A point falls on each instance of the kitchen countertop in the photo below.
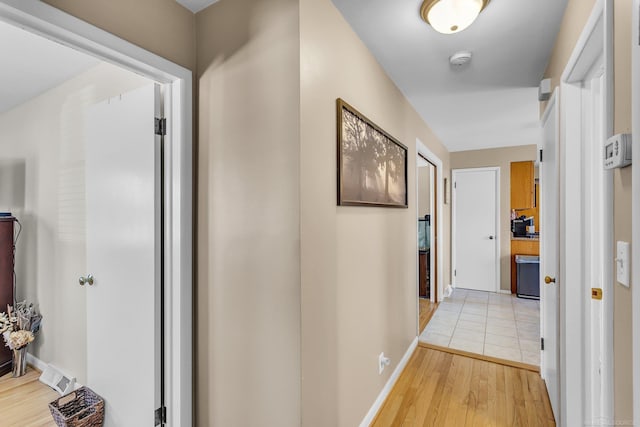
(526, 239)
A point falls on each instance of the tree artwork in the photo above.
(373, 166)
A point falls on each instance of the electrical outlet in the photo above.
(383, 362)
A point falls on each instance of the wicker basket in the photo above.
(80, 408)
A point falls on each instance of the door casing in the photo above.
(595, 41)
(431, 157)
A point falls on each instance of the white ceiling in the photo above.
(36, 65)
(492, 102)
(196, 6)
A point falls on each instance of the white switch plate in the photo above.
(623, 263)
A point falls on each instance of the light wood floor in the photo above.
(24, 401)
(427, 310)
(443, 389)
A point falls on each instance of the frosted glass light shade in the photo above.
(451, 16)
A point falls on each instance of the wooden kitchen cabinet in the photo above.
(521, 247)
(522, 185)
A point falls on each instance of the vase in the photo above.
(19, 362)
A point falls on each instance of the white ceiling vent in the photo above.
(460, 59)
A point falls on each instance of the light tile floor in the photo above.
(497, 325)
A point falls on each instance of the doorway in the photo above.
(426, 157)
(171, 200)
(427, 255)
(475, 225)
(586, 350)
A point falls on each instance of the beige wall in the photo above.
(622, 336)
(425, 178)
(575, 18)
(359, 295)
(163, 27)
(45, 136)
(248, 291)
(502, 158)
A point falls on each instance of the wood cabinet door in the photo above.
(6, 284)
(522, 185)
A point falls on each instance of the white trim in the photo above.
(596, 40)
(422, 150)
(377, 405)
(584, 54)
(504, 291)
(35, 362)
(635, 188)
(454, 172)
(40, 18)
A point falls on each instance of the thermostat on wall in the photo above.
(617, 151)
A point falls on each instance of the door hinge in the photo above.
(541, 343)
(455, 272)
(161, 126)
(455, 185)
(540, 156)
(161, 416)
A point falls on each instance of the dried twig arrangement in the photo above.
(19, 325)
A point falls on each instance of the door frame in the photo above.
(454, 173)
(431, 157)
(595, 41)
(177, 82)
(433, 255)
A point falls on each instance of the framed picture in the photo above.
(372, 165)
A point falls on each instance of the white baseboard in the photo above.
(502, 291)
(36, 363)
(377, 405)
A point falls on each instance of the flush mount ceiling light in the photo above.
(451, 16)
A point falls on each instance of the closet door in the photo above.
(123, 256)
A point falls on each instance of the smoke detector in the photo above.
(459, 59)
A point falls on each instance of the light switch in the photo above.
(623, 263)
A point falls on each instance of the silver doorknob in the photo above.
(86, 280)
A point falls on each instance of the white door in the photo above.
(549, 297)
(475, 226)
(122, 187)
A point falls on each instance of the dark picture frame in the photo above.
(372, 165)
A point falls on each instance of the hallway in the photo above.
(442, 389)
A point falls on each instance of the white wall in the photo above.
(42, 165)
